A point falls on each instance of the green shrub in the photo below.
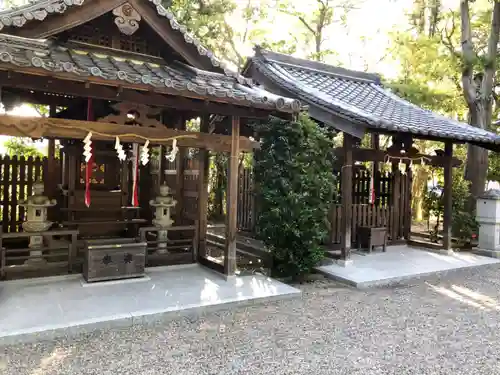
(463, 225)
(296, 187)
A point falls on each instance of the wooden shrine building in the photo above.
(122, 79)
(356, 103)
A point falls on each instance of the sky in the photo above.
(22, 110)
(373, 21)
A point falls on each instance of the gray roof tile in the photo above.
(38, 10)
(361, 98)
(49, 56)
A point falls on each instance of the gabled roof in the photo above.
(360, 98)
(18, 16)
(39, 10)
(45, 57)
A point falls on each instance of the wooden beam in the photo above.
(447, 196)
(346, 184)
(232, 201)
(36, 127)
(99, 88)
(365, 154)
(203, 165)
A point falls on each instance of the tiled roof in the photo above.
(40, 9)
(48, 56)
(360, 97)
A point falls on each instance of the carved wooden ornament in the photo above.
(133, 114)
(127, 19)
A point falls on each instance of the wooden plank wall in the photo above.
(190, 186)
(17, 175)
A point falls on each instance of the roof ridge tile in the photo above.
(369, 104)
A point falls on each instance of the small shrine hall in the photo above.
(136, 107)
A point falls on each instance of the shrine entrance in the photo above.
(111, 210)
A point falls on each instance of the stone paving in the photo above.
(447, 325)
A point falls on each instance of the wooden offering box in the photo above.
(369, 238)
(113, 259)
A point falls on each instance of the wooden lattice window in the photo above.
(97, 31)
(103, 31)
(144, 41)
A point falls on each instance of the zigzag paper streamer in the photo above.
(87, 147)
(145, 153)
(119, 150)
(171, 156)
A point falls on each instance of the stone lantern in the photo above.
(488, 218)
(162, 204)
(36, 219)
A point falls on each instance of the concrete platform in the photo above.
(45, 308)
(398, 264)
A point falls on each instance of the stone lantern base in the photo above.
(36, 254)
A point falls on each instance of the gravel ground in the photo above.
(439, 326)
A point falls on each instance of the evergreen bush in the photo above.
(294, 172)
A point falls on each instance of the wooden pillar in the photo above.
(407, 203)
(232, 200)
(346, 193)
(179, 176)
(203, 169)
(447, 195)
(51, 178)
(375, 145)
(395, 201)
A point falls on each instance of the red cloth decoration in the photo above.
(90, 164)
(135, 175)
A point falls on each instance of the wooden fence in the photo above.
(246, 201)
(382, 184)
(17, 175)
(394, 214)
(362, 215)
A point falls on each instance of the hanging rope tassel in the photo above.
(90, 160)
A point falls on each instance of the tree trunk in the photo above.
(476, 168)
(476, 171)
(478, 90)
